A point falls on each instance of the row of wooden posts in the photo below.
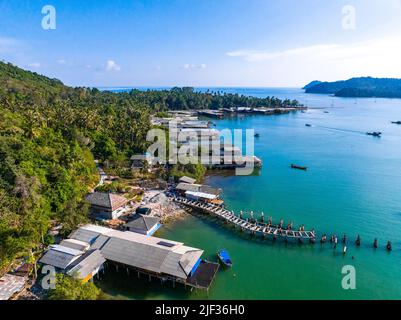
(333, 238)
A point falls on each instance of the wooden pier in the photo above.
(254, 227)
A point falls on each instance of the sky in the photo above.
(212, 43)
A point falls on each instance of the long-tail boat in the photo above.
(294, 166)
(224, 257)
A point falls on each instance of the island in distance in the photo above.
(364, 87)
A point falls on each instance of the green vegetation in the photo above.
(188, 99)
(68, 288)
(358, 87)
(196, 171)
(50, 135)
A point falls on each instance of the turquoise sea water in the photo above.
(353, 186)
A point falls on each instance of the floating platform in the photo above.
(203, 276)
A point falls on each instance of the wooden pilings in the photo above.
(254, 227)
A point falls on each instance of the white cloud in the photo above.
(111, 65)
(61, 61)
(372, 50)
(331, 61)
(35, 65)
(256, 56)
(188, 66)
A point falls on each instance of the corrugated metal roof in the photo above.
(141, 222)
(106, 200)
(189, 259)
(152, 258)
(135, 254)
(144, 252)
(140, 238)
(99, 242)
(75, 244)
(198, 188)
(87, 264)
(186, 179)
(57, 259)
(11, 284)
(84, 235)
(201, 195)
(188, 187)
(171, 265)
(60, 248)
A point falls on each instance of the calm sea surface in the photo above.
(353, 186)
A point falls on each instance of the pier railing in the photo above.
(254, 227)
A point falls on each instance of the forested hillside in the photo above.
(50, 135)
(358, 87)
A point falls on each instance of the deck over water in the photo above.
(204, 275)
(253, 227)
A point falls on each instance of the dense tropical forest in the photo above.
(365, 87)
(50, 135)
(188, 99)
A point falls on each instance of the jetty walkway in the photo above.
(253, 226)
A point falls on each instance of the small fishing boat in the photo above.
(224, 257)
(308, 125)
(396, 122)
(257, 135)
(294, 166)
(374, 134)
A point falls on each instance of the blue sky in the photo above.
(257, 43)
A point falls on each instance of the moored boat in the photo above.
(374, 133)
(224, 257)
(294, 166)
(396, 122)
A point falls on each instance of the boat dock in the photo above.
(254, 227)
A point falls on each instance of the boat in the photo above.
(374, 134)
(294, 166)
(224, 257)
(308, 125)
(257, 135)
(396, 122)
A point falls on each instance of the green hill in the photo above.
(359, 87)
(49, 135)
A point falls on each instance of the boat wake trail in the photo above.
(341, 129)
